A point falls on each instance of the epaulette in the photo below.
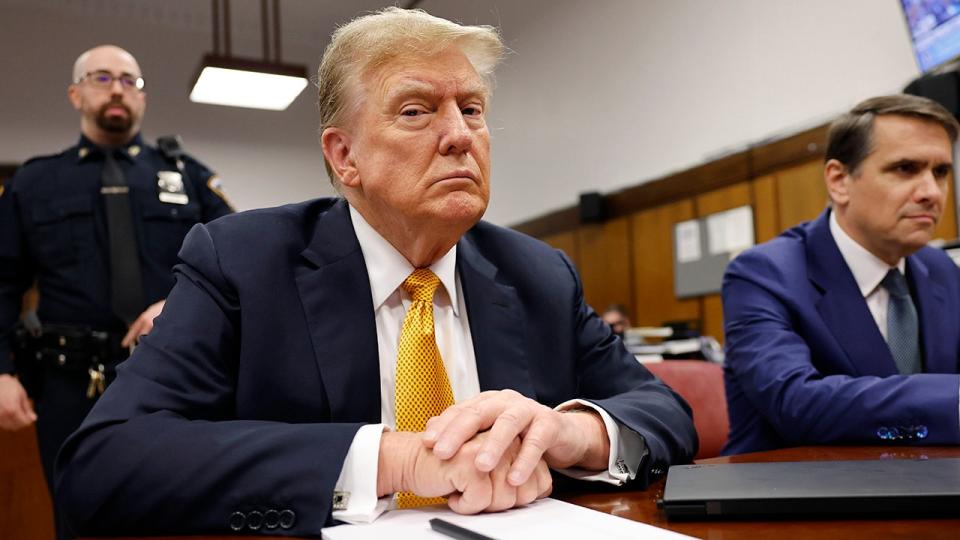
(43, 158)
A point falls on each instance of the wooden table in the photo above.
(641, 505)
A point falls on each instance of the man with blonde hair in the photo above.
(386, 349)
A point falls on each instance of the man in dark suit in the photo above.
(846, 329)
(280, 386)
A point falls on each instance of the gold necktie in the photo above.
(423, 390)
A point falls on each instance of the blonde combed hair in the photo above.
(369, 42)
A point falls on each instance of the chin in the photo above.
(463, 207)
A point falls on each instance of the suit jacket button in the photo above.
(271, 519)
(287, 519)
(237, 520)
(884, 433)
(254, 520)
(922, 432)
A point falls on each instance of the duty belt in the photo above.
(75, 348)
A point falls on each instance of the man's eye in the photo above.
(943, 171)
(102, 78)
(907, 168)
(471, 111)
(411, 112)
(128, 81)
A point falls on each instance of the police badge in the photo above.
(171, 189)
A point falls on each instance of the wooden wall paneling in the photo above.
(711, 320)
(947, 228)
(604, 253)
(801, 193)
(722, 199)
(766, 221)
(654, 301)
(25, 509)
(808, 145)
(566, 242)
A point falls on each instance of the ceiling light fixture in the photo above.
(242, 82)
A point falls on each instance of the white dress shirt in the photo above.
(868, 271)
(387, 269)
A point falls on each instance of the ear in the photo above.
(73, 94)
(337, 148)
(837, 179)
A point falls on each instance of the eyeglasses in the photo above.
(104, 79)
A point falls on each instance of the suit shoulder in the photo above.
(937, 260)
(290, 223)
(782, 256)
(488, 235)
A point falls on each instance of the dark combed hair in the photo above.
(850, 138)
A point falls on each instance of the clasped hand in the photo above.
(492, 452)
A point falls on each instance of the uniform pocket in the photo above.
(164, 227)
(58, 227)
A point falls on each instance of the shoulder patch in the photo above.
(214, 185)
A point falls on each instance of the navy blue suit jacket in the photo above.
(248, 392)
(806, 363)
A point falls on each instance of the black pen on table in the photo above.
(456, 531)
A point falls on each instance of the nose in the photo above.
(456, 136)
(116, 87)
(929, 189)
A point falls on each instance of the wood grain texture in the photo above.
(605, 263)
(642, 506)
(801, 193)
(718, 200)
(654, 301)
(25, 508)
(766, 220)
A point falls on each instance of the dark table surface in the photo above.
(641, 505)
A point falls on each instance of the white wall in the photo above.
(596, 94)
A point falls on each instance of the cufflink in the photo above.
(340, 500)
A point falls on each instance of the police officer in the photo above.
(97, 227)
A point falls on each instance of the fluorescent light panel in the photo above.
(236, 88)
(239, 83)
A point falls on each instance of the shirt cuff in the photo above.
(627, 449)
(355, 495)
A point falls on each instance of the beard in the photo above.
(114, 124)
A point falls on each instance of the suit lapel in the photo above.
(842, 307)
(931, 307)
(335, 292)
(496, 323)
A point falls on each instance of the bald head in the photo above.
(107, 58)
(107, 90)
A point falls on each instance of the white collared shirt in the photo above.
(868, 271)
(387, 269)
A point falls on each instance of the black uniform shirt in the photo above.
(53, 229)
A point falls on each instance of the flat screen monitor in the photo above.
(934, 29)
